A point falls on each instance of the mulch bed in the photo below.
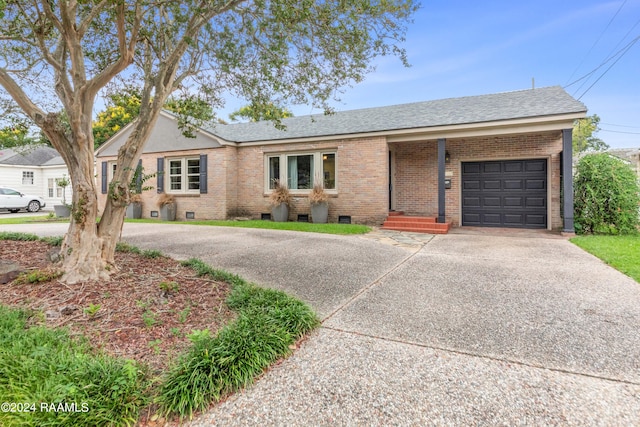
(146, 309)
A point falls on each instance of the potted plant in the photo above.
(280, 199)
(319, 201)
(63, 210)
(134, 208)
(167, 205)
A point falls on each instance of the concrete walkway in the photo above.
(463, 329)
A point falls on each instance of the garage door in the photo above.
(510, 193)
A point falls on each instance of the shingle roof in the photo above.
(28, 156)
(548, 101)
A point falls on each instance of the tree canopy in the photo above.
(255, 113)
(59, 55)
(583, 135)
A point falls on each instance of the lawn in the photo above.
(620, 252)
(333, 228)
(271, 225)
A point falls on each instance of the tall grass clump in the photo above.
(268, 323)
(49, 369)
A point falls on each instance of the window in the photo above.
(184, 175)
(113, 167)
(301, 171)
(27, 178)
(50, 186)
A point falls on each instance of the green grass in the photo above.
(620, 252)
(31, 219)
(268, 323)
(342, 229)
(271, 225)
(41, 365)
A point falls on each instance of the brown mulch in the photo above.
(137, 318)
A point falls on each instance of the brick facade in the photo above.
(361, 179)
(415, 168)
(236, 176)
(236, 181)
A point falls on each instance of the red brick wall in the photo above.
(416, 168)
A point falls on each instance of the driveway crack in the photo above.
(484, 356)
(371, 285)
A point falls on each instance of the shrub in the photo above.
(166, 199)
(318, 195)
(280, 194)
(606, 195)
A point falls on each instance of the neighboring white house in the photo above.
(34, 170)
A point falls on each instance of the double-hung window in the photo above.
(183, 175)
(27, 178)
(300, 171)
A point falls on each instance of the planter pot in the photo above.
(134, 210)
(168, 212)
(62, 211)
(319, 213)
(280, 213)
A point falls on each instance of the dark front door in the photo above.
(509, 193)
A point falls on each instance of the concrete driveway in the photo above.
(469, 329)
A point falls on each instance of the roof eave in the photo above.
(499, 127)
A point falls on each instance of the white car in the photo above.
(13, 200)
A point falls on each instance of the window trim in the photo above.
(284, 166)
(184, 174)
(111, 170)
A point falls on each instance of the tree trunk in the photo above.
(81, 250)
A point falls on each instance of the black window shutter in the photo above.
(105, 169)
(139, 176)
(160, 175)
(203, 173)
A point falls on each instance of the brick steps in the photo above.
(416, 224)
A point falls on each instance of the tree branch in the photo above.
(21, 98)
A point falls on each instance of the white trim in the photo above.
(317, 167)
(184, 175)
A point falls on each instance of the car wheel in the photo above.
(34, 206)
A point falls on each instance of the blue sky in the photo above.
(461, 48)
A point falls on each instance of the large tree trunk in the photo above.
(81, 250)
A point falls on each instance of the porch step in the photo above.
(415, 224)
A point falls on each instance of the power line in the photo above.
(596, 42)
(625, 50)
(619, 131)
(597, 68)
(620, 126)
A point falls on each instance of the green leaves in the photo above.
(606, 195)
(583, 138)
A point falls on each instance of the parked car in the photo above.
(13, 200)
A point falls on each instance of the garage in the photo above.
(508, 193)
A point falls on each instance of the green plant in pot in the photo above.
(319, 201)
(280, 199)
(167, 205)
(63, 210)
(136, 187)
